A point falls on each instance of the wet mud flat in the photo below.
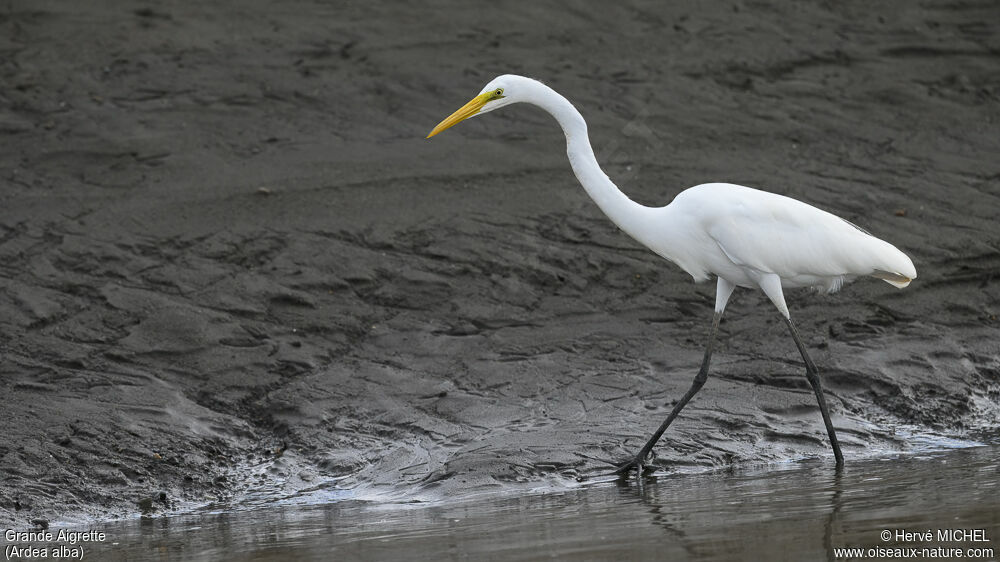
(230, 264)
(883, 507)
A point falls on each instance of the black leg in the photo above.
(699, 381)
(813, 375)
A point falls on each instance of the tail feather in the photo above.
(894, 279)
(891, 265)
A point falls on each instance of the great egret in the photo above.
(742, 236)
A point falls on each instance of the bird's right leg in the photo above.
(771, 285)
(812, 374)
(723, 291)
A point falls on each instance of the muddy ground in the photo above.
(231, 264)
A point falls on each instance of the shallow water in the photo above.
(793, 511)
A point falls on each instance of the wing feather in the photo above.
(771, 233)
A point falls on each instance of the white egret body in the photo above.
(742, 236)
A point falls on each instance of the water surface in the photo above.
(793, 511)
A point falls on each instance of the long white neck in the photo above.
(627, 214)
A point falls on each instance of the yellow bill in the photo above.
(466, 111)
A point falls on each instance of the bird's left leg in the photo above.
(722, 293)
(771, 285)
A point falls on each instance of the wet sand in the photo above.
(230, 263)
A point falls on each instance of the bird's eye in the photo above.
(498, 92)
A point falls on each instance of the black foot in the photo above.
(638, 463)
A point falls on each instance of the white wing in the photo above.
(771, 233)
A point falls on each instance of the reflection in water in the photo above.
(799, 511)
(837, 502)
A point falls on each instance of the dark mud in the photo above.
(231, 264)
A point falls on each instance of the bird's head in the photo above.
(501, 91)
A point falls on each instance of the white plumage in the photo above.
(743, 236)
(743, 232)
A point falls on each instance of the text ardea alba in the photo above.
(742, 236)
